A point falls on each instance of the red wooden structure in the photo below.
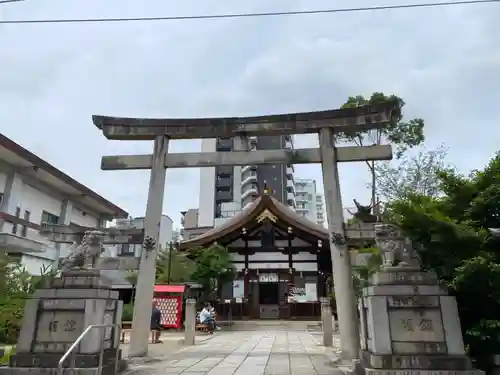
(169, 299)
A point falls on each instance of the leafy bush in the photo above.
(17, 285)
(11, 316)
(4, 360)
(128, 312)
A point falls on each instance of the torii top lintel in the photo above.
(356, 119)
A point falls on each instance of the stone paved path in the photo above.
(250, 353)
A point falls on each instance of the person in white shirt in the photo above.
(207, 318)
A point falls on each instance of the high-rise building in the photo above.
(165, 236)
(226, 190)
(310, 203)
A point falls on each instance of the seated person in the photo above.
(213, 313)
(206, 317)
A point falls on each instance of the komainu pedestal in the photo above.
(56, 316)
(409, 324)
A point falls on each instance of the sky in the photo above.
(444, 62)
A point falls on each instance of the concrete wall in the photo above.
(207, 188)
(3, 179)
(80, 217)
(35, 264)
(190, 233)
(190, 219)
(166, 230)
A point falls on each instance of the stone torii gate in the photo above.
(325, 123)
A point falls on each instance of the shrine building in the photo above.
(282, 262)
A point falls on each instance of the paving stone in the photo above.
(249, 353)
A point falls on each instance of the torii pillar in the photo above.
(147, 268)
(341, 260)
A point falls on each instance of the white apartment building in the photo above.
(226, 190)
(166, 235)
(310, 203)
(32, 192)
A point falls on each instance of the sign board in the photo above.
(421, 325)
(268, 278)
(238, 289)
(307, 293)
(297, 291)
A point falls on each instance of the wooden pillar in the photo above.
(246, 306)
(320, 291)
(290, 256)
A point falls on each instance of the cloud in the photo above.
(444, 62)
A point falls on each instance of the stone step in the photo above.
(271, 325)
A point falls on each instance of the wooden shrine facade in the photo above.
(282, 261)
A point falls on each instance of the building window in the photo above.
(24, 231)
(49, 218)
(126, 249)
(18, 215)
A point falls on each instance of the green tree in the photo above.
(173, 266)
(212, 268)
(452, 231)
(416, 174)
(399, 133)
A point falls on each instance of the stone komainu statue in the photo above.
(394, 248)
(84, 254)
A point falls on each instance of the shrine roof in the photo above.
(252, 212)
(170, 288)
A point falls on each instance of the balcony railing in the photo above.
(248, 168)
(248, 177)
(248, 190)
